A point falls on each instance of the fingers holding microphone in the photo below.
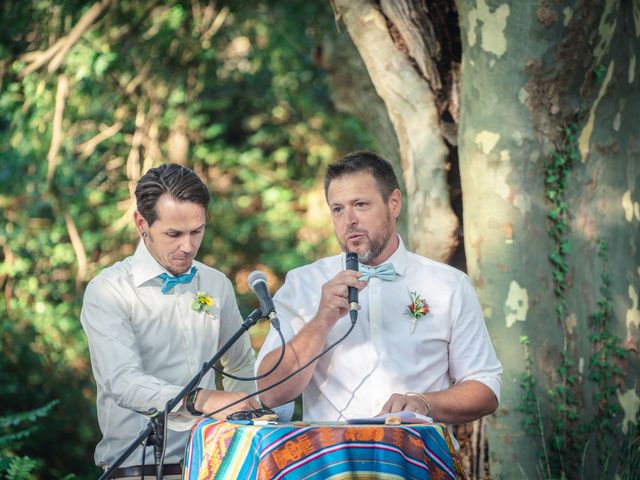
(338, 296)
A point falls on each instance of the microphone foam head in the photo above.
(255, 277)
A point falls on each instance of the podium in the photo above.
(219, 450)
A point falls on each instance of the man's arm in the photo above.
(115, 360)
(472, 362)
(461, 403)
(208, 401)
(308, 343)
(117, 365)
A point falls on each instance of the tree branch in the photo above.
(78, 248)
(56, 135)
(87, 148)
(56, 54)
(433, 226)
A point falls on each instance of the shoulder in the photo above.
(111, 288)
(211, 272)
(307, 279)
(213, 276)
(112, 275)
(439, 271)
(321, 269)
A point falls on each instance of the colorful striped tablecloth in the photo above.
(320, 451)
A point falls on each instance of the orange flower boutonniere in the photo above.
(418, 308)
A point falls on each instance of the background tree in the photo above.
(92, 94)
(537, 104)
(524, 111)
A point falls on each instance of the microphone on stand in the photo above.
(258, 284)
(352, 264)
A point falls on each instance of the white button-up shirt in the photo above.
(382, 355)
(146, 346)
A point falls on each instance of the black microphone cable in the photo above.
(159, 473)
(253, 315)
(295, 372)
(249, 379)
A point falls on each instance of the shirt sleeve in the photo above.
(471, 353)
(116, 363)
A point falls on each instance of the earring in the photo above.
(144, 234)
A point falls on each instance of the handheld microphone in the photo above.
(352, 264)
(258, 284)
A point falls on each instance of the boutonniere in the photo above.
(418, 308)
(202, 302)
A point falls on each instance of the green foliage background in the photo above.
(228, 88)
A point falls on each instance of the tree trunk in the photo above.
(411, 105)
(548, 155)
(353, 94)
(543, 115)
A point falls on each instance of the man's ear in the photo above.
(141, 224)
(395, 203)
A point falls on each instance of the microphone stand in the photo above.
(154, 430)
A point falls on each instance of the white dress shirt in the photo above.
(146, 346)
(381, 356)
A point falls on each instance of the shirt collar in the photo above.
(144, 266)
(397, 258)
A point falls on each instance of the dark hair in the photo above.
(364, 161)
(178, 181)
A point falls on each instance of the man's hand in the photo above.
(464, 402)
(399, 402)
(334, 302)
(212, 400)
(309, 342)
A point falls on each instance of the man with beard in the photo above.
(419, 344)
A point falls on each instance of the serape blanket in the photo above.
(320, 451)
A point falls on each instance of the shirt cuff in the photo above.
(492, 383)
(179, 419)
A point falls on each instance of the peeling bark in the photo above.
(530, 74)
(353, 94)
(531, 89)
(433, 226)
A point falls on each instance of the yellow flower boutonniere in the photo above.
(418, 308)
(202, 303)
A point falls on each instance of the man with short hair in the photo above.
(152, 321)
(419, 342)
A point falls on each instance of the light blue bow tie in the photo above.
(170, 282)
(383, 272)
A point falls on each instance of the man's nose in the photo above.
(350, 217)
(188, 244)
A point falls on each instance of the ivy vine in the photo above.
(563, 449)
(604, 364)
(564, 412)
